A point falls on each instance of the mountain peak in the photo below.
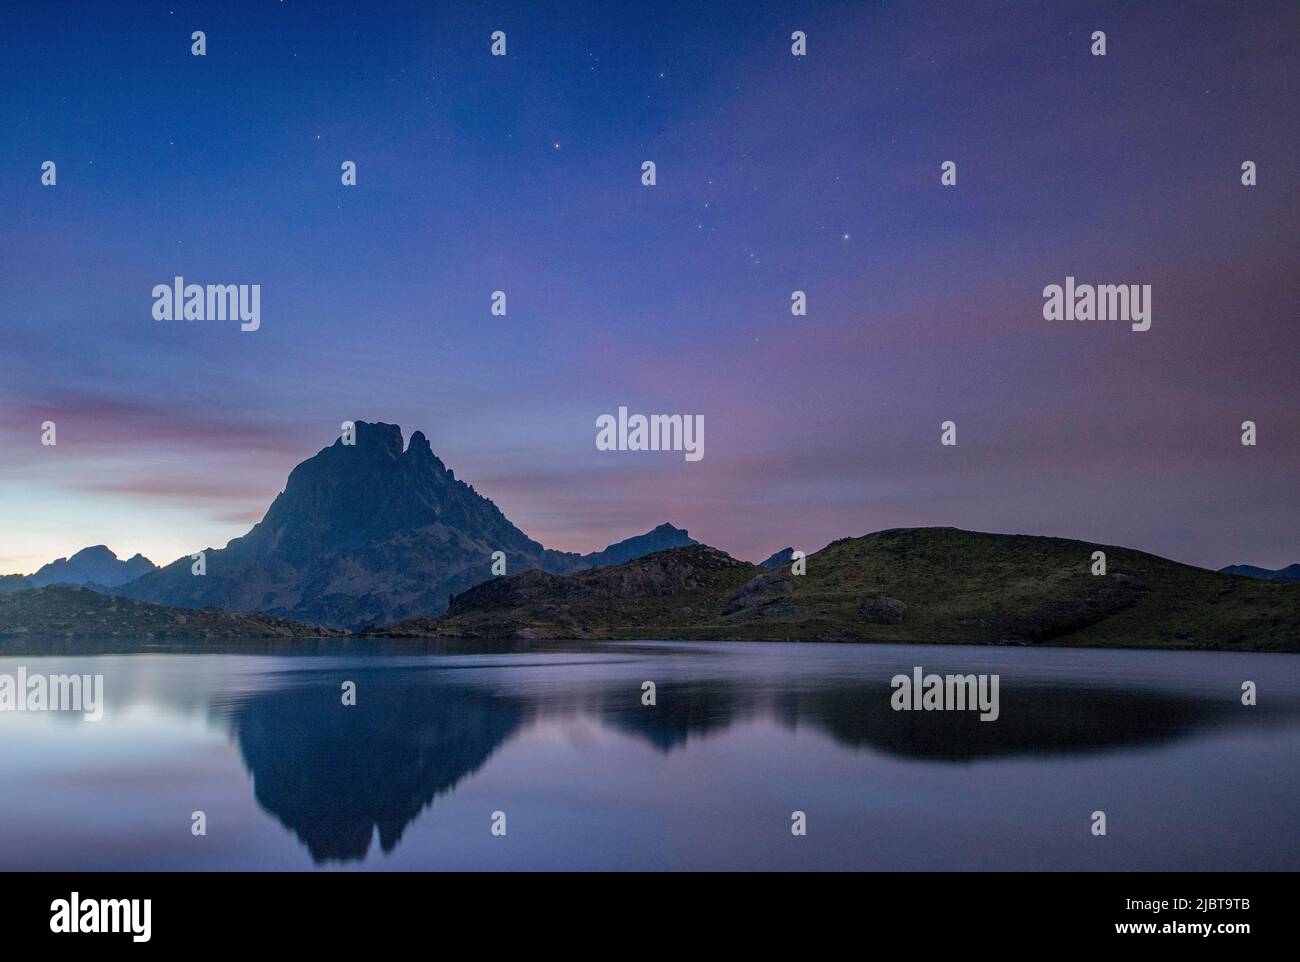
(419, 453)
(367, 533)
(361, 532)
(657, 539)
(419, 445)
(95, 565)
(667, 528)
(376, 437)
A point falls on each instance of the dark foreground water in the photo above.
(557, 738)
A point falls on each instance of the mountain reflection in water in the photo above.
(555, 735)
(335, 776)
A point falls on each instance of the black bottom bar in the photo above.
(330, 911)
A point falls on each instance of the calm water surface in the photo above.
(556, 737)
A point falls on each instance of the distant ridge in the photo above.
(96, 566)
(1289, 573)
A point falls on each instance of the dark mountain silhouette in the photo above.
(95, 566)
(1289, 573)
(367, 533)
(659, 539)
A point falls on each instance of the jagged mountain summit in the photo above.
(96, 566)
(368, 533)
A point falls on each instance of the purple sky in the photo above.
(775, 173)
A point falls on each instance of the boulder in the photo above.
(761, 590)
(882, 610)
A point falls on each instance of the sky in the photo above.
(775, 173)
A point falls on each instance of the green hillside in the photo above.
(922, 585)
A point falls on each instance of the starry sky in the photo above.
(775, 173)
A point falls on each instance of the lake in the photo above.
(556, 737)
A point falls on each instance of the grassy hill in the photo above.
(83, 614)
(937, 585)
